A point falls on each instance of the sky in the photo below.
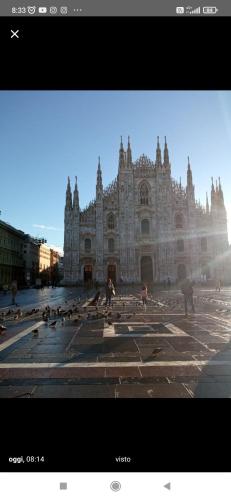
(47, 135)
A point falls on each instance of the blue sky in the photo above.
(46, 136)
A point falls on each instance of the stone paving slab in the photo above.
(126, 371)
(153, 391)
(16, 391)
(75, 391)
(61, 381)
(209, 390)
(169, 371)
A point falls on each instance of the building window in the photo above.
(180, 245)
(87, 245)
(145, 229)
(204, 244)
(111, 221)
(179, 221)
(111, 245)
(144, 194)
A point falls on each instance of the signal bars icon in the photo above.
(195, 11)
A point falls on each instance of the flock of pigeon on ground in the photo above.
(95, 310)
(58, 316)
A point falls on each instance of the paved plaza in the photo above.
(120, 352)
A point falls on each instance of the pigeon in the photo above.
(53, 323)
(156, 351)
(2, 328)
(109, 322)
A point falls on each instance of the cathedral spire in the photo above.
(76, 197)
(213, 195)
(166, 155)
(99, 183)
(129, 154)
(189, 175)
(207, 203)
(190, 186)
(212, 187)
(221, 192)
(68, 195)
(121, 154)
(158, 154)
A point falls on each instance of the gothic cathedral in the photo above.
(144, 227)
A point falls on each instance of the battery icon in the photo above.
(210, 10)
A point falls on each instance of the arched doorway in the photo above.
(111, 272)
(181, 272)
(205, 270)
(87, 275)
(146, 269)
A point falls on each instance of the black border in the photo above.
(116, 53)
(160, 435)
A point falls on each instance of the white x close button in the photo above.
(14, 34)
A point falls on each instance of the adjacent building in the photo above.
(145, 226)
(31, 259)
(11, 255)
(23, 258)
(44, 257)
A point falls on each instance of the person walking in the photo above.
(144, 296)
(187, 290)
(110, 291)
(218, 285)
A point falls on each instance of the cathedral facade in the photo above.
(144, 227)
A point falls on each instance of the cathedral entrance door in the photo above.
(111, 273)
(146, 269)
(181, 272)
(87, 274)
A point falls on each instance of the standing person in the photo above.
(144, 296)
(187, 290)
(110, 291)
(218, 285)
(169, 282)
(14, 290)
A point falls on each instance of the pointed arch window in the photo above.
(145, 228)
(87, 245)
(179, 221)
(204, 244)
(111, 245)
(111, 221)
(180, 245)
(144, 194)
